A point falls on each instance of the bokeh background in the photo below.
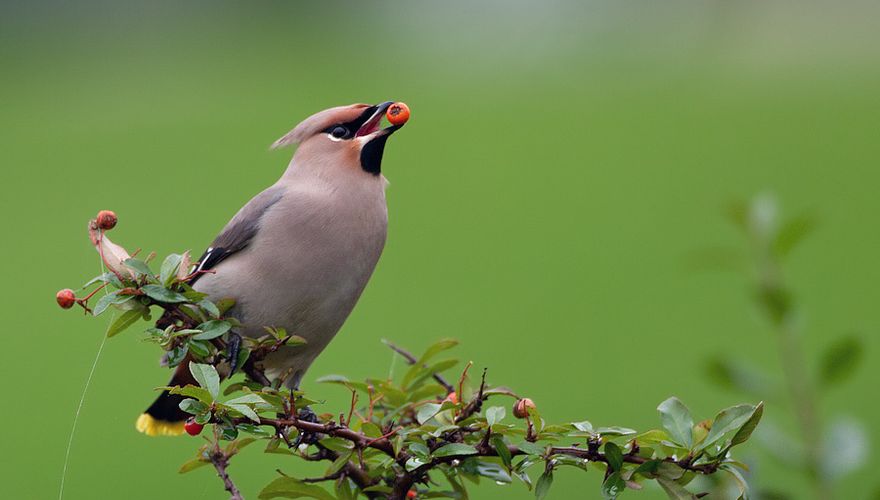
(564, 163)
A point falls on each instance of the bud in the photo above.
(66, 298)
(106, 220)
(452, 398)
(522, 406)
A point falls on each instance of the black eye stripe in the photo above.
(353, 126)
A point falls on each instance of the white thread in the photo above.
(82, 398)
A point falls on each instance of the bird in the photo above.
(299, 254)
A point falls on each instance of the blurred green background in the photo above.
(563, 164)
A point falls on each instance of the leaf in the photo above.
(494, 415)
(192, 391)
(137, 266)
(614, 455)
(426, 412)
(124, 321)
(108, 300)
(246, 411)
(543, 485)
(502, 449)
(288, 487)
(207, 377)
(727, 420)
(613, 485)
(161, 294)
(792, 232)
(212, 329)
(168, 271)
(677, 420)
(192, 465)
(437, 348)
(738, 479)
(674, 490)
(840, 360)
(738, 376)
(209, 307)
(744, 432)
(249, 399)
(454, 449)
(192, 406)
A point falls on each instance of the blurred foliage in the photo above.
(824, 452)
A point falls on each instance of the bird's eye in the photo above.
(339, 132)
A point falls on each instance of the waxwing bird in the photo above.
(298, 255)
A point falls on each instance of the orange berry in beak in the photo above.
(397, 113)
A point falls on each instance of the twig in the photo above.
(220, 461)
(412, 360)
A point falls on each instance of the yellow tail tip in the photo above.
(153, 427)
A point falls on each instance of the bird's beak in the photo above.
(371, 129)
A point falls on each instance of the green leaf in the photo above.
(192, 465)
(138, 266)
(502, 449)
(193, 407)
(209, 307)
(246, 411)
(212, 329)
(738, 479)
(840, 360)
(614, 455)
(727, 420)
(674, 490)
(125, 320)
(207, 377)
(108, 300)
(677, 420)
(437, 348)
(192, 391)
(288, 487)
(494, 415)
(337, 444)
(247, 399)
(168, 271)
(161, 294)
(613, 485)
(792, 232)
(427, 411)
(747, 428)
(454, 449)
(543, 485)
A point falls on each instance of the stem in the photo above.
(412, 360)
(220, 462)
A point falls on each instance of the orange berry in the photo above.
(106, 220)
(452, 397)
(192, 427)
(522, 406)
(397, 113)
(66, 298)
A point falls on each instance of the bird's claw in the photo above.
(305, 437)
(233, 349)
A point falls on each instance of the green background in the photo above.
(563, 165)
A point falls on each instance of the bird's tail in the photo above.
(164, 417)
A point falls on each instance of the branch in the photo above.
(412, 360)
(220, 461)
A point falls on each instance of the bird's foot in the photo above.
(305, 437)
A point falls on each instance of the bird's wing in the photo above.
(239, 232)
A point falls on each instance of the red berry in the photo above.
(106, 220)
(397, 113)
(411, 494)
(66, 298)
(522, 406)
(193, 428)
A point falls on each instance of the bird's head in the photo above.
(346, 137)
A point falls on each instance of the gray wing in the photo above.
(239, 232)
